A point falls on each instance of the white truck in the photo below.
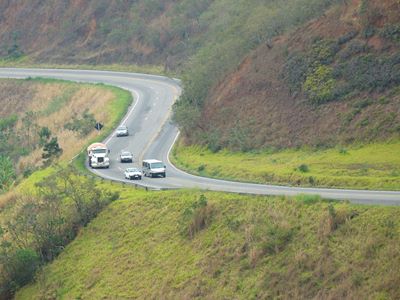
(98, 155)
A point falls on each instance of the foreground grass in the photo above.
(241, 247)
(373, 166)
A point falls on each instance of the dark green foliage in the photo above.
(7, 173)
(370, 72)
(51, 150)
(44, 135)
(303, 168)
(42, 227)
(347, 37)
(391, 32)
(361, 104)
(295, 71)
(19, 267)
(353, 48)
(83, 125)
(13, 50)
(8, 122)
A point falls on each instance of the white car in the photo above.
(126, 156)
(133, 173)
(122, 131)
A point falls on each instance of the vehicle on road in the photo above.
(98, 155)
(126, 156)
(133, 173)
(153, 168)
(122, 131)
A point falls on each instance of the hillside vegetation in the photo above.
(316, 106)
(190, 244)
(43, 125)
(334, 80)
(42, 120)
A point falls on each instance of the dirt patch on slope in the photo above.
(255, 105)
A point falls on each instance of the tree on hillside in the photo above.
(7, 173)
(51, 150)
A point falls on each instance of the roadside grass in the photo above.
(371, 166)
(247, 247)
(27, 62)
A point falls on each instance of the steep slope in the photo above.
(38, 104)
(141, 32)
(334, 80)
(188, 245)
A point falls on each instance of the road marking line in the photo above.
(126, 116)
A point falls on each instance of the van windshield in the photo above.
(157, 165)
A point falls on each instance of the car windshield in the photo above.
(99, 151)
(126, 153)
(157, 165)
(132, 170)
(122, 128)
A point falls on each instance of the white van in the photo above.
(153, 168)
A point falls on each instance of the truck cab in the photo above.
(98, 156)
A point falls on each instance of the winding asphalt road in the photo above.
(152, 135)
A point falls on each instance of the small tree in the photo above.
(7, 173)
(51, 150)
(44, 135)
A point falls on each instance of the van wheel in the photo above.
(164, 175)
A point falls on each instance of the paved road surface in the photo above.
(152, 136)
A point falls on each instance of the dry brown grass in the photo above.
(19, 97)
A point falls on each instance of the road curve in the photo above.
(152, 135)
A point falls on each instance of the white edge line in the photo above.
(126, 116)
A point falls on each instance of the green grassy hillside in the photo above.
(372, 166)
(189, 244)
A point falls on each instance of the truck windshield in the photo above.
(157, 165)
(99, 151)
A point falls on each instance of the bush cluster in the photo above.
(82, 125)
(43, 225)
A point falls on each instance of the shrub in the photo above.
(353, 48)
(295, 71)
(320, 85)
(303, 168)
(18, 268)
(196, 217)
(277, 238)
(391, 32)
(369, 72)
(83, 125)
(347, 37)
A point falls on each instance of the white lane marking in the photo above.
(170, 149)
(126, 116)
